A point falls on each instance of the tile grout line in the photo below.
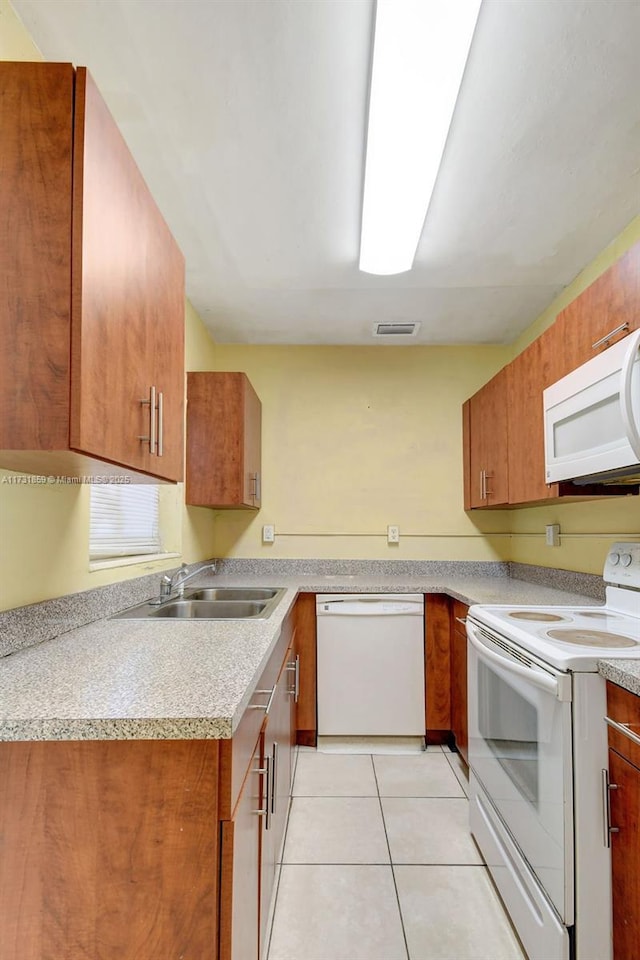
(463, 786)
(393, 874)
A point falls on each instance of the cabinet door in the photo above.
(278, 756)
(223, 441)
(240, 873)
(437, 658)
(593, 321)
(109, 850)
(625, 856)
(459, 724)
(36, 132)
(305, 648)
(487, 483)
(127, 308)
(527, 376)
(252, 448)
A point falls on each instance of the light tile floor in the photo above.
(378, 864)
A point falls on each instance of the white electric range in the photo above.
(537, 749)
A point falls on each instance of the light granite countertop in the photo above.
(626, 673)
(126, 679)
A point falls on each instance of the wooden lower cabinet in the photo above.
(109, 850)
(253, 835)
(277, 756)
(624, 773)
(459, 723)
(240, 868)
(437, 654)
(305, 649)
(625, 855)
(136, 849)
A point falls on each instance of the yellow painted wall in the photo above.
(15, 42)
(587, 528)
(356, 438)
(44, 530)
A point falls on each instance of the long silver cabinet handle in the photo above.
(482, 484)
(608, 336)
(266, 810)
(274, 778)
(607, 787)
(297, 693)
(462, 620)
(152, 437)
(263, 706)
(160, 423)
(623, 728)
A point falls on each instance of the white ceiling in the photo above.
(247, 119)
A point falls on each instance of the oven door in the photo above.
(520, 752)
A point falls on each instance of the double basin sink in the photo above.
(210, 603)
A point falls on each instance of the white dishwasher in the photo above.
(371, 678)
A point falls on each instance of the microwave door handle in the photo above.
(626, 405)
(541, 680)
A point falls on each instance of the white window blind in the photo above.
(124, 520)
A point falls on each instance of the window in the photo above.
(125, 521)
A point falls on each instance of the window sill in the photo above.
(130, 561)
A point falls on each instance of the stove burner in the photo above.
(597, 615)
(536, 615)
(590, 638)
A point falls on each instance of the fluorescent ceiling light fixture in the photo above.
(419, 55)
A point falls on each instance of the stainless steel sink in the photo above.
(209, 609)
(230, 593)
(211, 603)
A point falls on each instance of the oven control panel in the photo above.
(622, 565)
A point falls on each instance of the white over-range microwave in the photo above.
(592, 419)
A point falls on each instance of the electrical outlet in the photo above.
(393, 534)
(268, 533)
(552, 535)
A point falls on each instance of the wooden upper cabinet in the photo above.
(535, 368)
(485, 438)
(93, 288)
(604, 313)
(505, 463)
(127, 331)
(224, 417)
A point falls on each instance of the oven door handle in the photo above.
(557, 686)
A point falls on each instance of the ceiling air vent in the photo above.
(396, 329)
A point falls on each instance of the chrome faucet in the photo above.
(175, 584)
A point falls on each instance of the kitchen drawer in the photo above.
(235, 754)
(624, 708)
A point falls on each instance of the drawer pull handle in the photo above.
(623, 728)
(608, 336)
(607, 787)
(263, 706)
(462, 620)
(151, 439)
(266, 810)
